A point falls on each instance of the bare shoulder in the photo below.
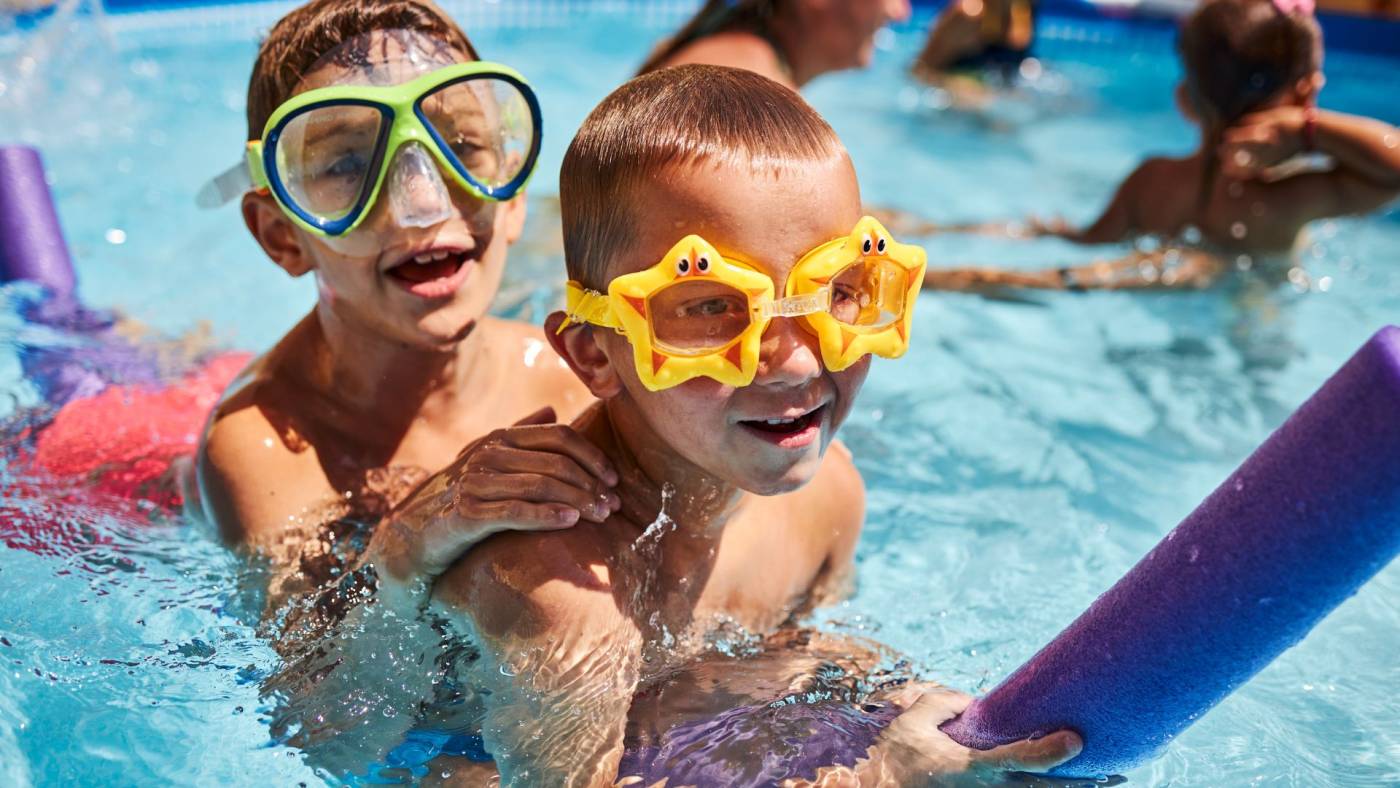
(521, 585)
(1157, 172)
(833, 503)
(253, 471)
(737, 49)
(546, 377)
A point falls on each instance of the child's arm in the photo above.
(1167, 269)
(378, 650)
(1366, 151)
(1117, 221)
(534, 476)
(560, 656)
(912, 751)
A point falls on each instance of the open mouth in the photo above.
(791, 432)
(431, 274)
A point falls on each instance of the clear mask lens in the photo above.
(326, 156)
(486, 124)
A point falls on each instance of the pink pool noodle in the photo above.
(1311, 516)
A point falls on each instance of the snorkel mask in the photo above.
(696, 313)
(327, 155)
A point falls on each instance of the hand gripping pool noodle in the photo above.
(31, 241)
(1298, 528)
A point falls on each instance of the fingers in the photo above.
(534, 488)
(544, 415)
(1033, 755)
(525, 516)
(508, 459)
(562, 439)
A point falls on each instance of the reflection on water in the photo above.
(1018, 460)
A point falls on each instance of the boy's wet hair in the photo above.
(1241, 54)
(675, 117)
(299, 40)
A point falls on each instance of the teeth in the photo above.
(776, 422)
(431, 257)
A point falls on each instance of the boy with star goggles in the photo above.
(327, 154)
(696, 313)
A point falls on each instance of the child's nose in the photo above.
(788, 355)
(897, 10)
(416, 189)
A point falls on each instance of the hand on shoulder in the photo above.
(534, 476)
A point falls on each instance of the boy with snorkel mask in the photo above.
(389, 162)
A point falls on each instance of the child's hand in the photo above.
(917, 752)
(1260, 141)
(533, 476)
(1056, 227)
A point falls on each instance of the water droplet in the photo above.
(115, 236)
(1244, 262)
(1238, 230)
(1324, 284)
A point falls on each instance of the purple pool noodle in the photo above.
(32, 249)
(1312, 515)
(31, 241)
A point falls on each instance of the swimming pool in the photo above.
(1020, 458)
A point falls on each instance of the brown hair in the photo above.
(675, 116)
(1238, 56)
(301, 38)
(713, 17)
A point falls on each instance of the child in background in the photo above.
(1253, 70)
(791, 43)
(973, 34)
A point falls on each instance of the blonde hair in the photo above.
(675, 117)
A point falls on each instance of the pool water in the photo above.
(1021, 457)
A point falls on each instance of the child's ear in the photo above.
(274, 233)
(514, 218)
(1184, 104)
(578, 346)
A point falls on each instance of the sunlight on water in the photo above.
(1019, 459)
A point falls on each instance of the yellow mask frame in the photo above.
(627, 306)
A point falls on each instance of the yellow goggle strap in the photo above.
(582, 306)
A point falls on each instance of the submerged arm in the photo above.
(559, 659)
(1117, 222)
(1168, 269)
